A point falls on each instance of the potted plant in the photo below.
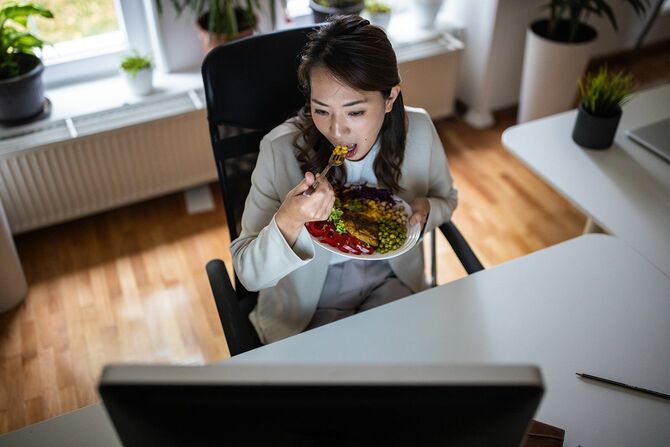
(21, 87)
(138, 72)
(603, 94)
(221, 21)
(426, 12)
(379, 13)
(557, 51)
(322, 9)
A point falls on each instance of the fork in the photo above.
(336, 159)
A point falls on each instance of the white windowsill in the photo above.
(110, 93)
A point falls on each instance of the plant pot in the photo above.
(209, 41)
(141, 83)
(551, 71)
(13, 286)
(595, 132)
(322, 13)
(382, 19)
(426, 12)
(23, 96)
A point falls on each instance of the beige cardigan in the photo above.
(290, 279)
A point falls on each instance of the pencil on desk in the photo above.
(624, 385)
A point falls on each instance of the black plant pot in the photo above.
(584, 33)
(322, 13)
(595, 132)
(22, 97)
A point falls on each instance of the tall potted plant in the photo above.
(322, 9)
(603, 94)
(221, 21)
(21, 87)
(557, 52)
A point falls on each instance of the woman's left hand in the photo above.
(420, 209)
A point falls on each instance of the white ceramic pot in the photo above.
(142, 83)
(551, 71)
(13, 286)
(426, 12)
(381, 19)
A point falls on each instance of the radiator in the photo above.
(65, 170)
(429, 72)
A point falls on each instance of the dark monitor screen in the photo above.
(233, 404)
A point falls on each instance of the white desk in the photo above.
(624, 189)
(590, 304)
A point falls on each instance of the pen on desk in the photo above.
(624, 385)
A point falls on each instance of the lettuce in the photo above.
(336, 219)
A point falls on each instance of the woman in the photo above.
(350, 78)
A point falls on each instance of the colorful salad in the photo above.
(363, 221)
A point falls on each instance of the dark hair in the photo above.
(360, 55)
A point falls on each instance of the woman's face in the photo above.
(345, 116)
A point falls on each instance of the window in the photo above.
(79, 28)
(88, 37)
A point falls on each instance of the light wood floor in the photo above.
(129, 285)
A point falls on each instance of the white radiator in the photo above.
(75, 167)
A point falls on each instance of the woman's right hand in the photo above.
(298, 209)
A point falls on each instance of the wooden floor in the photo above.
(129, 284)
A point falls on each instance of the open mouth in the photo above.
(352, 151)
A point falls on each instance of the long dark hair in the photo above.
(360, 55)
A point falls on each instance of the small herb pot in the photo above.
(595, 132)
(140, 83)
(382, 19)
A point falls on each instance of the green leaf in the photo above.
(604, 92)
(25, 41)
(20, 13)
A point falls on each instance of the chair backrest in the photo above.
(251, 86)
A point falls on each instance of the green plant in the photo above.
(225, 16)
(577, 12)
(605, 92)
(15, 38)
(132, 64)
(377, 7)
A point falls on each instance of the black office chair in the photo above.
(251, 86)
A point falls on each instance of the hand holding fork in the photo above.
(336, 159)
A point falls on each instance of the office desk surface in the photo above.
(625, 189)
(587, 305)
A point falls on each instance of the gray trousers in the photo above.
(355, 286)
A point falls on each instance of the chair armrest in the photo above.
(461, 248)
(240, 334)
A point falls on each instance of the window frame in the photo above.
(133, 23)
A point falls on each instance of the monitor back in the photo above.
(326, 405)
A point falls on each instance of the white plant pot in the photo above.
(142, 83)
(426, 12)
(381, 19)
(13, 286)
(551, 72)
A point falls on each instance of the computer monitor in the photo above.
(233, 404)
